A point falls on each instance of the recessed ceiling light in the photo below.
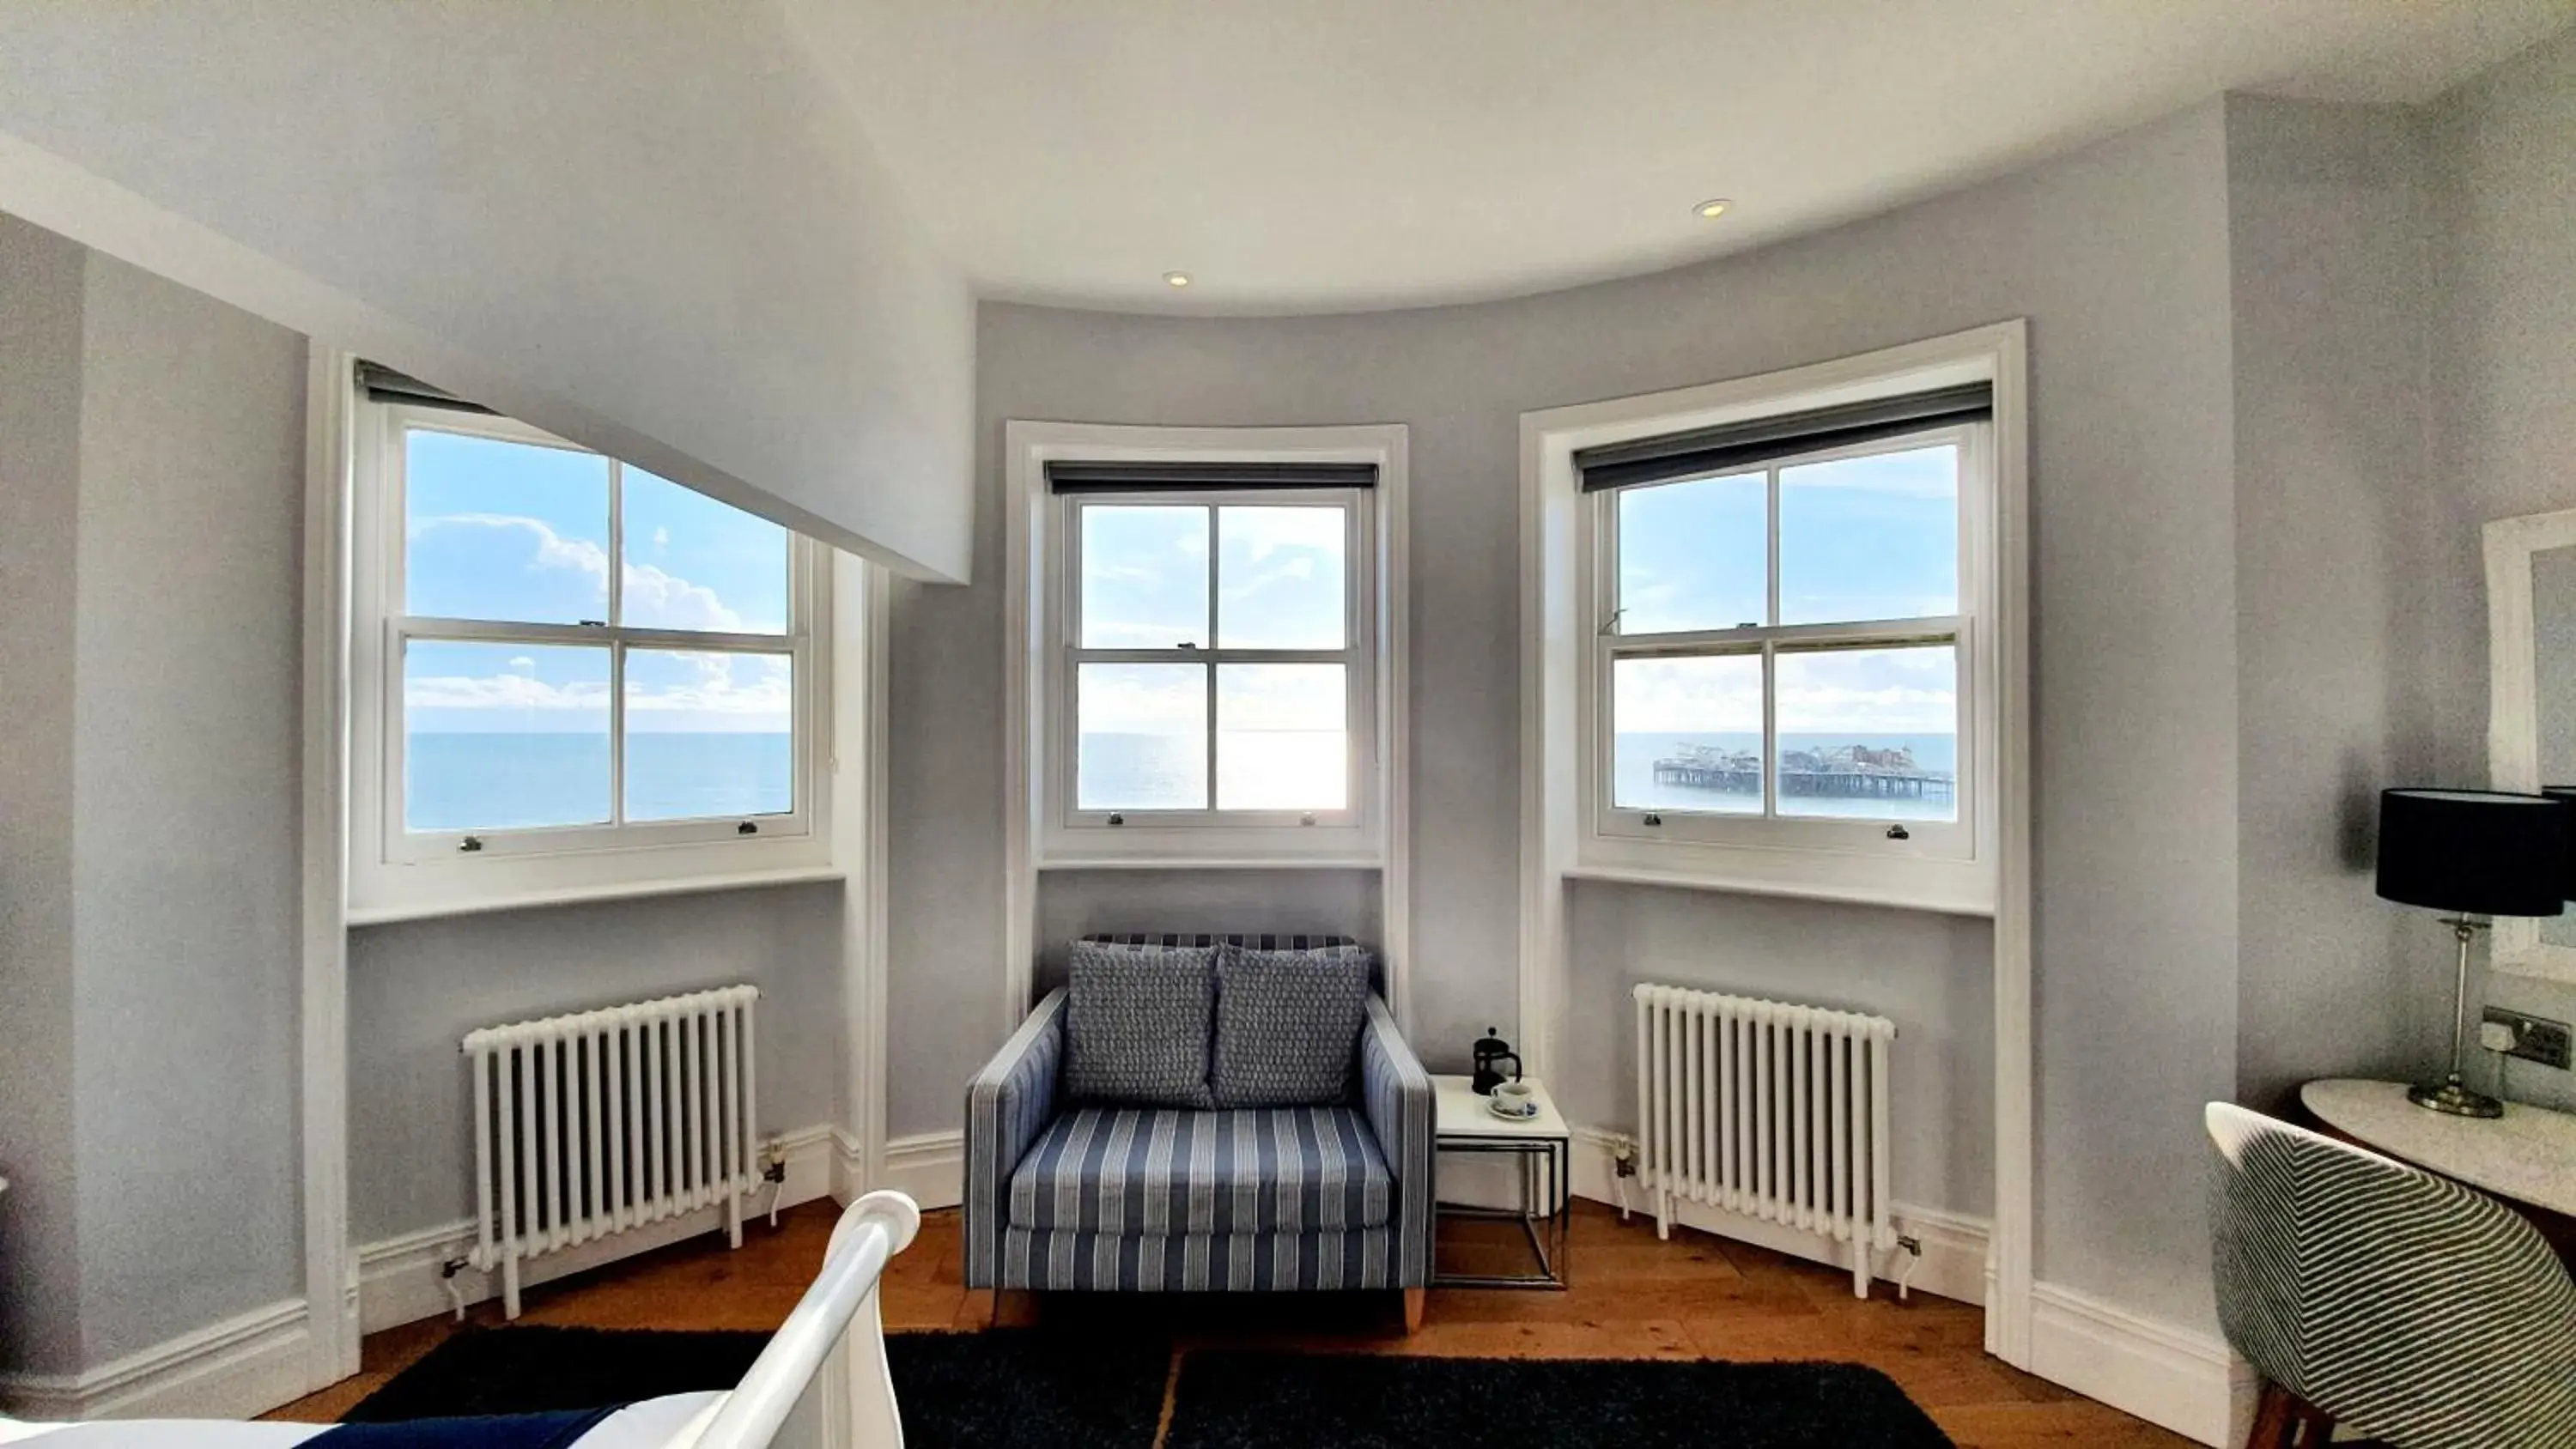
(1713, 208)
(1177, 279)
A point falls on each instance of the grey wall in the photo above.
(649, 225)
(2330, 241)
(40, 387)
(2118, 256)
(416, 988)
(1931, 974)
(1312, 902)
(186, 778)
(2505, 385)
(152, 539)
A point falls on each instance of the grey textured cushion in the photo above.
(1136, 1024)
(1288, 1025)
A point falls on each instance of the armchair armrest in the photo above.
(1396, 1097)
(1008, 1104)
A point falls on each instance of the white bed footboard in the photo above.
(822, 1383)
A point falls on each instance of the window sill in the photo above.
(1202, 862)
(582, 895)
(1949, 890)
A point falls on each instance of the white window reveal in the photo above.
(1216, 666)
(1783, 673)
(1206, 662)
(569, 676)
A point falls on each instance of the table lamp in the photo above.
(2472, 853)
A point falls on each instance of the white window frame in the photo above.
(399, 874)
(1031, 846)
(1341, 829)
(1857, 834)
(1571, 830)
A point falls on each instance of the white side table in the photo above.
(1464, 1122)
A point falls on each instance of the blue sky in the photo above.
(499, 530)
(1860, 539)
(1145, 586)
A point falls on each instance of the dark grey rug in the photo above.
(988, 1390)
(1055, 1390)
(1295, 1401)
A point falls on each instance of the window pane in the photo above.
(1687, 734)
(709, 734)
(1694, 555)
(1870, 733)
(1283, 737)
(1143, 739)
(495, 530)
(1279, 579)
(1870, 538)
(502, 736)
(694, 563)
(1144, 576)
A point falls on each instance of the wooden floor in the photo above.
(1633, 1297)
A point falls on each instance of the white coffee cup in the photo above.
(1515, 1099)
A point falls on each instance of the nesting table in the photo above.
(1539, 1147)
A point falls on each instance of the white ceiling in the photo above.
(1335, 155)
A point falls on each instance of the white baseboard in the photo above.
(931, 1167)
(1953, 1264)
(244, 1365)
(400, 1279)
(2182, 1380)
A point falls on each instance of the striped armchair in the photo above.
(1063, 1195)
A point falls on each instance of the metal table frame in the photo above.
(1546, 1182)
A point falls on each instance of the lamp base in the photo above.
(2455, 1099)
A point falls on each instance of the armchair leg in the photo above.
(2283, 1420)
(1014, 1308)
(1412, 1310)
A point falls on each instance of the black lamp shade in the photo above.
(2477, 852)
(2566, 795)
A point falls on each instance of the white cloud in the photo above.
(661, 536)
(1901, 692)
(713, 689)
(655, 599)
(523, 663)
(502, 691)
(554, 551)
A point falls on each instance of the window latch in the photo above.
(1899, 832)
(470, 843)
(1185, 644)
(746, 828)
(594, 623)
(1306, 819)
(1117, 819)
(1610, 625)
(1654, 819)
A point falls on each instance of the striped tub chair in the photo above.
(1101, 1197)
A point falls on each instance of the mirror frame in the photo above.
(2513, 709)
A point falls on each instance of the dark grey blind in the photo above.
(1164, 477)
(1758, 441)
(382, 384)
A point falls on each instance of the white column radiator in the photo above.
(1768, 1109)
(602, 1121)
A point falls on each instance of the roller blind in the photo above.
(1169, 477)
(1755, 442)
(382, 384)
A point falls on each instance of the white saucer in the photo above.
(1496, 1107)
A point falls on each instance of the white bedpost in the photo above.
(823, 1383)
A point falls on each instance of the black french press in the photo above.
(1491, 1052)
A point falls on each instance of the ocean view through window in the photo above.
(573, 655)
(1779, 639)
(1212, 672)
